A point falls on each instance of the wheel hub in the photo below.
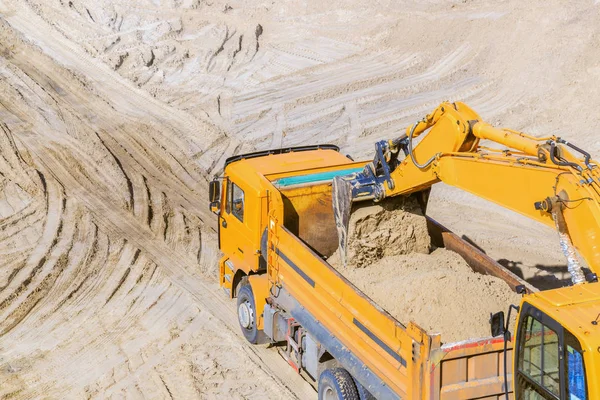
(329, 394)
(246, 315)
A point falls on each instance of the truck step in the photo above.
(230, 265)
(228, 277)
(227, 291)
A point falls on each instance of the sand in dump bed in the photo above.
(438, 291)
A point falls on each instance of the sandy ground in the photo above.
(107, 260)
(114, 114)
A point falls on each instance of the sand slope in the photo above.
(114, 114)
(104, 288)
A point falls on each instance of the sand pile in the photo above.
(438, 291)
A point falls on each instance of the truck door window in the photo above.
(228, 198)
(576, 388)
(538, 361)
(237, 202)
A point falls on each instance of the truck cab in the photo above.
(240, 199)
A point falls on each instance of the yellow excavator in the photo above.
(283, 212)
(541, 178)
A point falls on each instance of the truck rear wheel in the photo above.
(246, 311)
(337, 384)
(363, 393)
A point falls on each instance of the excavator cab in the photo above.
(547, 355)
(556, 352)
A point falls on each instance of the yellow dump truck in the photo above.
(276, 230)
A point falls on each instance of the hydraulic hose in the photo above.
(566, 245)
(561, 163)
(410, 149)
(585, 154)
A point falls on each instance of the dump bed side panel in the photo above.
(382, 344)
(470, 370)
(308, 215)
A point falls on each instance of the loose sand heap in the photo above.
(438, 291)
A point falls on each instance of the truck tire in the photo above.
(246, 310)
(337, 384)
(363, 393)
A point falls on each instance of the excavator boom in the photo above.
(547, 179)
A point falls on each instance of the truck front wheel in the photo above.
(337, 384)
(246, 310)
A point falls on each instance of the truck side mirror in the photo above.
(214, 195)
(214, 190)
(497, 324)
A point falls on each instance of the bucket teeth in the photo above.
(342, 204)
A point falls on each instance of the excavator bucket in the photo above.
(368, 184)
(354, 188)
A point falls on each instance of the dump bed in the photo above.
(389, 358)
(412, 363)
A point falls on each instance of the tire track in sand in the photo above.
(121, 225)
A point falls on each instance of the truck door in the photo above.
(235, 232)
(549, 361)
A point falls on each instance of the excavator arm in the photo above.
(541, 178)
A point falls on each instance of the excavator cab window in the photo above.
(539, 359)
(550, 361)
(576, 387)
